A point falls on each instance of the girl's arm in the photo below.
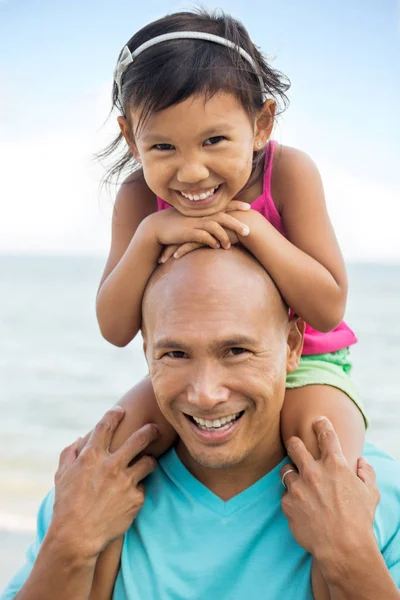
(140, 408)
(308, 267)
(130, 263)
(139, 233)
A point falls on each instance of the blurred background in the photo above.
(57, 374)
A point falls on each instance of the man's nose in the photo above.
(207, 389)
(192, 171)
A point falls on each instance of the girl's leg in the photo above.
(140, 408)
(300, 408)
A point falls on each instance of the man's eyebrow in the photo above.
(171, 344)
(231, 342)
(235, 341)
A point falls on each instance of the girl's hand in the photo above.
(171, 227)
(179, 250)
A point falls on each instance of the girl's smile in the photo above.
(200, 197)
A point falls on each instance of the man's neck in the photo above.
(227, 482)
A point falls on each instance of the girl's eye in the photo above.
(237, 351)
(176, 354)
(214, 140)
(163, 147)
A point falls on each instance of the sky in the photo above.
(56, 64)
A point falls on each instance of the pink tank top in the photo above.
(315, 342)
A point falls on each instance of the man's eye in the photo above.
(163, 147)
(176, 354)
(214, 140)
(237, 351)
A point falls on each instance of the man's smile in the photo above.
(215, 430)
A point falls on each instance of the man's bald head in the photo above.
(218, 344)
(214, 276)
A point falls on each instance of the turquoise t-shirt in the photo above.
(186, 543)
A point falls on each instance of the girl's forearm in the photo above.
(119, 299)
(307, 286)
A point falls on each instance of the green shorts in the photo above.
(327, 369)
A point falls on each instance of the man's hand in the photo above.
(98, 494)
(330, 509)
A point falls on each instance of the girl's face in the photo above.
(197, 155)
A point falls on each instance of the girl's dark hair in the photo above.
(170, 72)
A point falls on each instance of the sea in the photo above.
(58, 375)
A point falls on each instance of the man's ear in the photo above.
(126, 132)
(295, 342)
(264, 124)
(144, 338)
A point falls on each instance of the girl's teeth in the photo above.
(202, 196)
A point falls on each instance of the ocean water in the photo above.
(58, 376)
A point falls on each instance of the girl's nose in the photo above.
(192, 172)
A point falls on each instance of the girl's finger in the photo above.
(237, 205)
(217, 231)
(202, 236)
(186, 248)
(229, 222)
(168, 252)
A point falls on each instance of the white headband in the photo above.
(127, 56)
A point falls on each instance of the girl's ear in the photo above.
(126, 132)
(264, 124)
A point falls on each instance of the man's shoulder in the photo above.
(45, 512)
(385, 465)
(387, 469)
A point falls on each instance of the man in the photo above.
(218, 342)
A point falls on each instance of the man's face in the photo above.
(217, 347)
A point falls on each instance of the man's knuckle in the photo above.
(89, 456)
(326, 435)
(64, 452)
(292, 443)
(142, 438)
(149, 463)
(311, 476)
(103, 425)
(296, 490)
(335, 462)
(139, 498)
(285, 504)
(111, 468)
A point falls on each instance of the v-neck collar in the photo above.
(182, 477)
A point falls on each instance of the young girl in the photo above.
(197, 111)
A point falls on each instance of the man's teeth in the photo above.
(202, 196)
(216, 424)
